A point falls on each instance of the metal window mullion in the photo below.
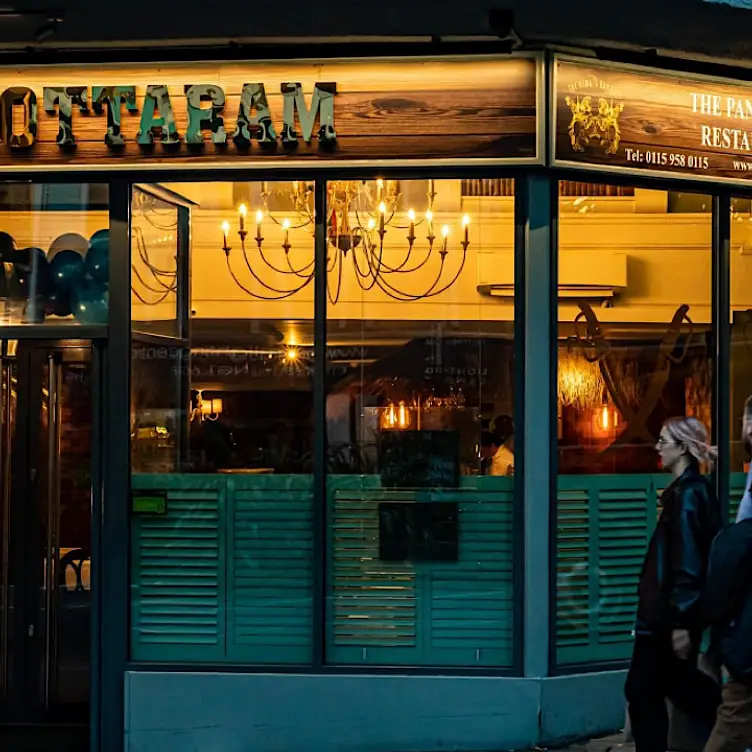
(319, 429)
(721, 353)
(115, 537)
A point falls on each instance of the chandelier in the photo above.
(360, 213)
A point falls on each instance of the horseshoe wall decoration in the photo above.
(594, 338)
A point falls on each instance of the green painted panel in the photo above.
(270, 569)
(427, 614)
(605, 523)
(225, 576)
(178, 586)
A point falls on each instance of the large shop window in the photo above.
(54, 252)
(634, 348)
(420, 423)
(419, 439)
(222, 428)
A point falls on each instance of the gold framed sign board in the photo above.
(461, 110)
(610, 117)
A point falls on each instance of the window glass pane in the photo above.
(222, 435)
(54, 253)
(420, 422)
(154, 264)
(634, 349)
(741, 347)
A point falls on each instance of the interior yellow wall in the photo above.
(651, 260)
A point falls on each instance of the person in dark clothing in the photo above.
(669, 613)
(727, 604)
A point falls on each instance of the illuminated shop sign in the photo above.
(460, 109)
(636, 119)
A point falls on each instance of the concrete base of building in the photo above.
(237, 712)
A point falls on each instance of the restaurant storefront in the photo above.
(329, 390)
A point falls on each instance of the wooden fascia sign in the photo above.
(158, 124)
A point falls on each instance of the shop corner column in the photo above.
(536, 274)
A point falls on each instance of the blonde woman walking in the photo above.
(669, 617)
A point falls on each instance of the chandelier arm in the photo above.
(360, 275)
(432, 291)
(334, 298)
(165, 289)
(391, 270)
(401, 270)
(296, 272)
(403, 296)
(335, 255)
(284, 293)
(145, 301)
(303, 269)
(144, 255)
(171, 226)
(259, 296)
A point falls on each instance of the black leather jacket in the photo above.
(673, 573)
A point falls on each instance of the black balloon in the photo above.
(7, 247)
(18, 286)
(28, 260)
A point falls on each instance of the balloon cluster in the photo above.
(72, 278)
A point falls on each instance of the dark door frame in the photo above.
(32, 354)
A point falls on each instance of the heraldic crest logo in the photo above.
(595, 115)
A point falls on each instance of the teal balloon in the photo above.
(67, 269)
(90, 303)
(100, 238)
(97, 263)
(58, 303)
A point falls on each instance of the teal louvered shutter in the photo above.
(177, 590)
(622, 543)
(605, 522)
(470, 619)
(573, 566)
(373, 604)
(421, 613)
(270, 569)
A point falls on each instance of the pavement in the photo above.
(612, 743)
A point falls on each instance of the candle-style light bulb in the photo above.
(465, 223)
(411, 217)
(242, 213)
(371, 224)
(225, 234)
(445, 235)
(379, 188)
(382, 215)
(259, 220)
(429, 219)
(286, 227)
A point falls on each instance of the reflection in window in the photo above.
(634, 348)
(741, 343)
(222, 429)
(420, 423)
(419, 416)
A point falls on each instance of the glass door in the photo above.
(45, 461)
